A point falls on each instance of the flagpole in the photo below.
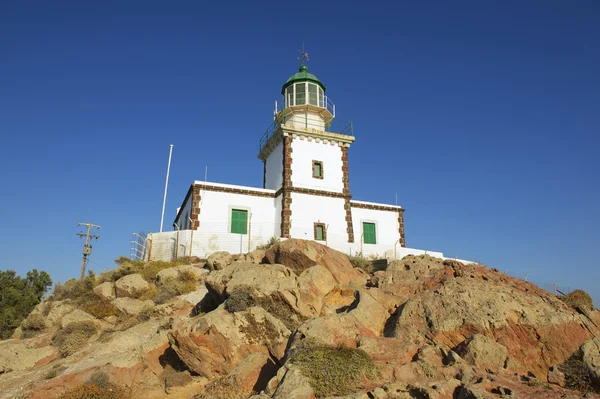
(162, 216)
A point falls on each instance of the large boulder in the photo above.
(219, 260)
(484, 353)
(590, 354)
(131, 286)
(304, 294)
(216, 343)
(300, 255)
(105, 291)
(77, 315)
(131, 306)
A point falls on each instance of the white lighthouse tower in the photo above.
(305, 193)
(306, 159)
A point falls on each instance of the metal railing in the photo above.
(337, 126)
(137, 249)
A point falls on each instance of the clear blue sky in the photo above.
(483, 116)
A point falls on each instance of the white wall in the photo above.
(274, 179)
(303, 154)
(309, 209)
(215, 221)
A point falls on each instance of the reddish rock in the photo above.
(299, 255)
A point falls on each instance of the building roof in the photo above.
(302, 76)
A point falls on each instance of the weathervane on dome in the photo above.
(303, 55)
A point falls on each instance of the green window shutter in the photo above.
(369, 233)
(319, 233)
(239, 221)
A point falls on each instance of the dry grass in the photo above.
(222, 388)
(172, 287)
(33, 325)
(333, 371)
(272, 241)
(578, 376)
(100, 308)
(578, 299)
(91, 391)
(148, 270)
(73, 337)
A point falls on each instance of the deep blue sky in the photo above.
(483, 117)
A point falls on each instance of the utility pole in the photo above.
(87, 248)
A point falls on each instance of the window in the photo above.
(239, 221)
(317, 169)
(312, 94)
(320, 232)
(369, 233)
(321, 98)
(300, 94)
(289, 96)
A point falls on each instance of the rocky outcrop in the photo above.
(300, 255)
(590, 355)
(219, 260)
(131, 286)
(216, 343)
(432, 329)
(105, 291)
(132, 306)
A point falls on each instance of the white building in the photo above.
(305, 194)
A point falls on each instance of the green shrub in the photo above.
(73, 337)
(100, 379)
(100, 308)
(33, 325)
(75, 289)
(577, 299)
(333, 371)
(18, 297)
(51, 374)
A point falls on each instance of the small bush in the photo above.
(222, 388)
(333, 371)
(240, 299)
(578, 298)
(51, 374)
(146, 314)
(100, 308)
(273, 241)
(361, 262)
(150, 294)
(33, 325)
(100, 379)
(92, 391)
(577, 375)
(73, 337)
(172, 287)
(72, 289)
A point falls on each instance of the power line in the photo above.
(87, 248)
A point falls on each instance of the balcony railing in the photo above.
(336, 126)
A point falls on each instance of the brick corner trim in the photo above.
(286, 189)
(347, 196)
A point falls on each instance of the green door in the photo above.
(239, 221)
(369, 233)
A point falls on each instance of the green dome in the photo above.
(302, 76)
